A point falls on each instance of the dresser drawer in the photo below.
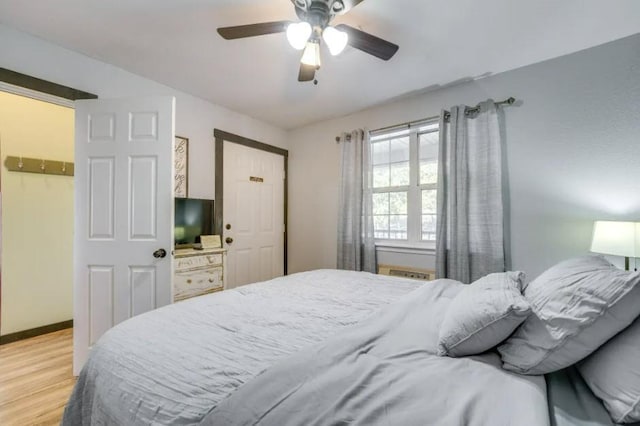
(199, 261)
(196, 282)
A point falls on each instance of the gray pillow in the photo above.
(613, 374)
(483, 314)
(577, 305)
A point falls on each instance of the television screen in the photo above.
(193, 217)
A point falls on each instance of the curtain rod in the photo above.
(447, 115)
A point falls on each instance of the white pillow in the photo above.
(613, 374)
(483, 314)
(577, 305)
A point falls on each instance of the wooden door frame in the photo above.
(220, 137)
(43, 86)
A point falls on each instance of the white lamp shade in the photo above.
(311, 55)
(298, 34)
(615, 238)
(336, 40)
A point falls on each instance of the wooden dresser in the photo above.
(198, 272)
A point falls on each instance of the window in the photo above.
(405, 173)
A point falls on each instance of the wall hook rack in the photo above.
(39, 165)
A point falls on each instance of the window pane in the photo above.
(429, 146)
(399, 150)
(428, 227)
(381, 226)
(380, 152)
(400, 174)
(428, 150)
(429, 200)
(398, 227)
(428, 172)
(381, 203)
(398, 203)
(381, 176)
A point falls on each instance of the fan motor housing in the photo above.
(318, 13)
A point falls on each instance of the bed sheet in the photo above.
(571, 402)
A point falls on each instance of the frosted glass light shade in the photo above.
(298, 34)
(616, 238)
(336, 40)
(311, 55)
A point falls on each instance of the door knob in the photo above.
(228, 240)
(160, 253)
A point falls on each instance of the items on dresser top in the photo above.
(198, 272)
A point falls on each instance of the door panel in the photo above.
(142, 281)
(254, 207)
(100, 301)
(124, 212)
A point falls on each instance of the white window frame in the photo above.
(414, 189)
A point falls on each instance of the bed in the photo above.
(320, 347)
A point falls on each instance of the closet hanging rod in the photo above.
(39, 165)
(447, 114)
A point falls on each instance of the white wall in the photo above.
(195, 118)
(572, 152)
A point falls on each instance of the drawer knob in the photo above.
(189, 281)
(210, 280)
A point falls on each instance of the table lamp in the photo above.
(617, 239)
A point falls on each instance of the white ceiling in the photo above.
(175, 42)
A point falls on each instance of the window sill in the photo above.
(428, 249)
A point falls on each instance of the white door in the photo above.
(253, 214)
(123, 214)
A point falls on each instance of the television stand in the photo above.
(198, 272)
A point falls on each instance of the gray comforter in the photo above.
(174, 364)
(323, 347)
(384, 371)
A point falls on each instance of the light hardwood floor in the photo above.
(36, 379)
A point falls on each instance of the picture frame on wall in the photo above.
(181, 163)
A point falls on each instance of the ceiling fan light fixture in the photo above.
(311, 55)
(298, 34)
(336, 40)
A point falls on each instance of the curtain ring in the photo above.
(42, 166)
(64, 167)
(20, 163)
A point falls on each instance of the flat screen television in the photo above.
(193, 217)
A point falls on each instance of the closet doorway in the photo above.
(36, 258)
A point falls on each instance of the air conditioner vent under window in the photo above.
(407, 272)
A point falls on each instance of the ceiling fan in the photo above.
(315, 16)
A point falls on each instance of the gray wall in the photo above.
(573, 152)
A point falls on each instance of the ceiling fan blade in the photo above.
(307, 72)
(252, 30)
(369, 43)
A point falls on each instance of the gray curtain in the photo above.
(469, 230)
(356, 246)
